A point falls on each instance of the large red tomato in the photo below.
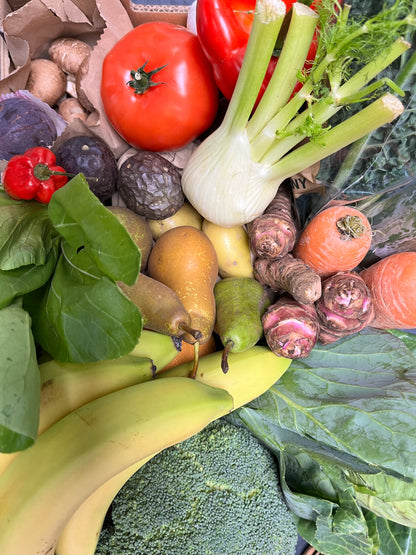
(158, 88)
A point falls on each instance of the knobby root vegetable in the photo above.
(345, 306)
(274, 233)
(291, 275)
(392, 284)
(336, 239)
(290, 328)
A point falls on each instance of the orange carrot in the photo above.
(336, 239)
(392, 284)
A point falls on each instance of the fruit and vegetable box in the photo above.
(207, 277)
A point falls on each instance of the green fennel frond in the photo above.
(348, 43)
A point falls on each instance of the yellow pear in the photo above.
(232, 248)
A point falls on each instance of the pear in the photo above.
(160, 307)
(139, 229)
(240, 303)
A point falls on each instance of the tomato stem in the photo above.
(142, 80)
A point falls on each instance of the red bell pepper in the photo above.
(223, 28)
(33, 175)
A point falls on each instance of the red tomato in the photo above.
(179, 99)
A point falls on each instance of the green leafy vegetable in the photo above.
(81, 315)
(26, 234)
(85, 222)
(343, 424)
(19, 281)
(59, 265)
(19, 381)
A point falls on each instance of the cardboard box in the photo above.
(141, 13)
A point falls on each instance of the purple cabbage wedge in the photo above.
(26, 122)
(290, 328)
(345, 306)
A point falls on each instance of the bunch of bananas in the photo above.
(100, 423)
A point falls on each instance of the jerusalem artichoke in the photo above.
(273, 234)
(344, 308)
(291, 275)
(290, 328)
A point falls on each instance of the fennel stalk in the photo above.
(234, 174)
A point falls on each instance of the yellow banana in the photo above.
(47, 482)
(159, 347)
(251, 374)
(82, 531)
(67, 386)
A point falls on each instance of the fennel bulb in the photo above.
(234, 174)
(232, 191)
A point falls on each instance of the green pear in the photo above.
(240, 303)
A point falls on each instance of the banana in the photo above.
(251, 374)
(161, 348)
(47, 482)
(82, 531)
(66, 386)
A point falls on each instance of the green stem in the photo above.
(354, 153)
(43, 172)
(267, 21)
(291, 60)
(371, 70)
(383, 110)
(321, 112)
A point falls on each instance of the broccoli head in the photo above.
(216, 493)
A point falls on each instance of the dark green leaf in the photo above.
(409, 339)
(327, 514)
(395, 539)
(85, 222)
(81, 315)
(19, 381)
(26, 235)
(357, 396)
(387, 496)
(18, 282)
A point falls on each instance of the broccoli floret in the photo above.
(216, 493)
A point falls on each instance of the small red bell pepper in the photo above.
(33, 175)
(223, 28)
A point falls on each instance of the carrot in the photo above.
(336, 239)
(392, 284)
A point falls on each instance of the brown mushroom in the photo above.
(68, 53)
(71, 109)
(46, 81)
(81, 95)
